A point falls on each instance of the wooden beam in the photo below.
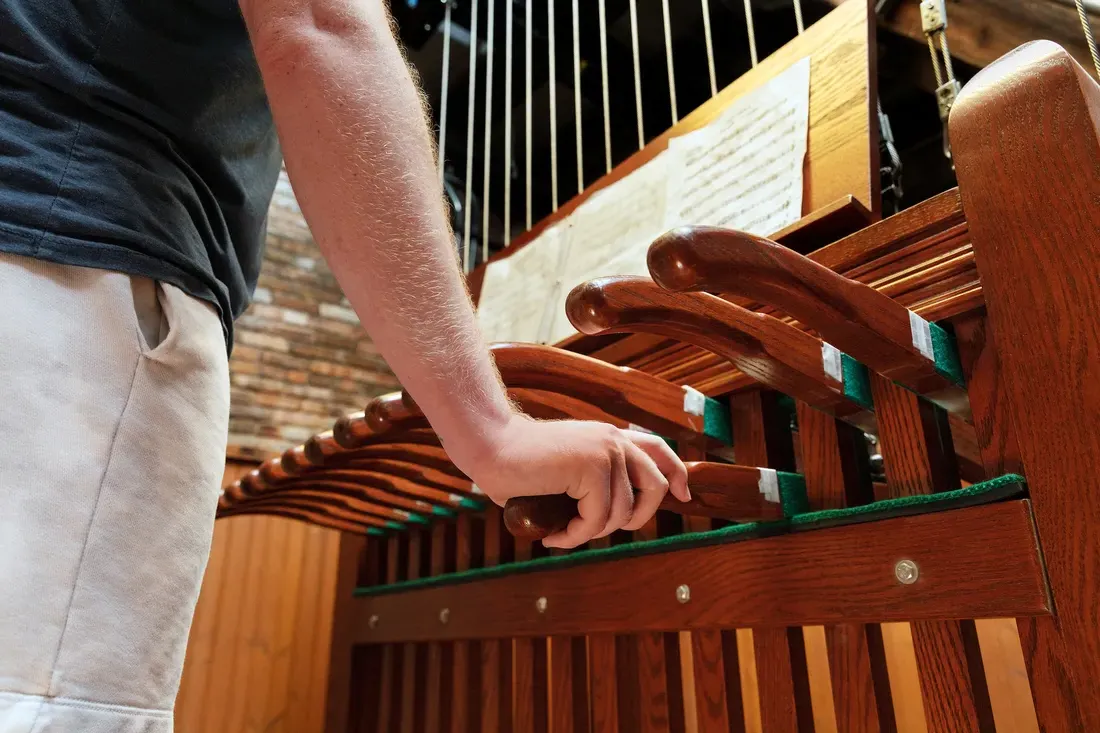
(980, 562)
(981, 31)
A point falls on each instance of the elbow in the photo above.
(286, 34)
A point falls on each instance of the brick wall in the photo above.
(300, 358)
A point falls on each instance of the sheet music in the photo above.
(517, 290)
(744, 170)
(610, 233)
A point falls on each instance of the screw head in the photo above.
(444, 615)
(906, 571)
(683, 594)
(372, 622)
(541, 604)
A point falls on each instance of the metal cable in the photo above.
(798, 16)
(527, 104)
(443, 94)
(603, 78)
(553, 109)
(577, 96)
(668, 62)
(487, 141)
(710, 47)
(752, 31)
(470, 139)
(1087, 28)
(935, 62)
(508, 21)
(637, 71)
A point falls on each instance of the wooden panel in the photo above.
(288, 568)
(979, 562)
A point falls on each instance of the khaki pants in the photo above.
(114, 401)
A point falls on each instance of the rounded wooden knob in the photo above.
(536, 517)
(671, 261)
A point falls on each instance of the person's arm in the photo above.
(357, 147)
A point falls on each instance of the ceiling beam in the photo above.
(981, 31)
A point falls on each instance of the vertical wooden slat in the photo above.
(714, 708)
(561, 684)
(366, 668)
(834, 464)
(602, 675)
(390, 694)
(410, 687)
(919, 458)
(350, 550)
(434, 673)
(496, 654)
(466, 678)
(529, 683)
(761, 433)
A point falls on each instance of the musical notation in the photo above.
(744, 171)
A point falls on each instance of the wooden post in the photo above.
(353, 550)
(1024, 135)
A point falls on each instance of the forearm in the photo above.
(360, 157)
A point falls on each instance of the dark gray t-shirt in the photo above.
(135, 135)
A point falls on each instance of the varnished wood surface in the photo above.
(763, 436)
(762, 347)
(289, 570)
(1035, 114)
(835, 467)
(921, 257)
(718, 490)
(977, 562)
(854, 317)
(640, 398)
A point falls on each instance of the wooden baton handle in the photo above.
(718, 490)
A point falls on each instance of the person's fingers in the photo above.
(622, 496)
(649, 483)
(668, 463)
(593, 495)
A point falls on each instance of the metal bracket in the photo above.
(933, 16)
(946, 94)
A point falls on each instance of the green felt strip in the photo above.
(467, 503)
(375, 532)
(394, 525)
(716, 422)
(442, 511)
(946, 355)
(792, 493)
(985, 492)
(857, 382)
(417, 518)
(1002, 487)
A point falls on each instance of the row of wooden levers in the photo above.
(844, 397)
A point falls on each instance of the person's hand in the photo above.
(595, 463)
